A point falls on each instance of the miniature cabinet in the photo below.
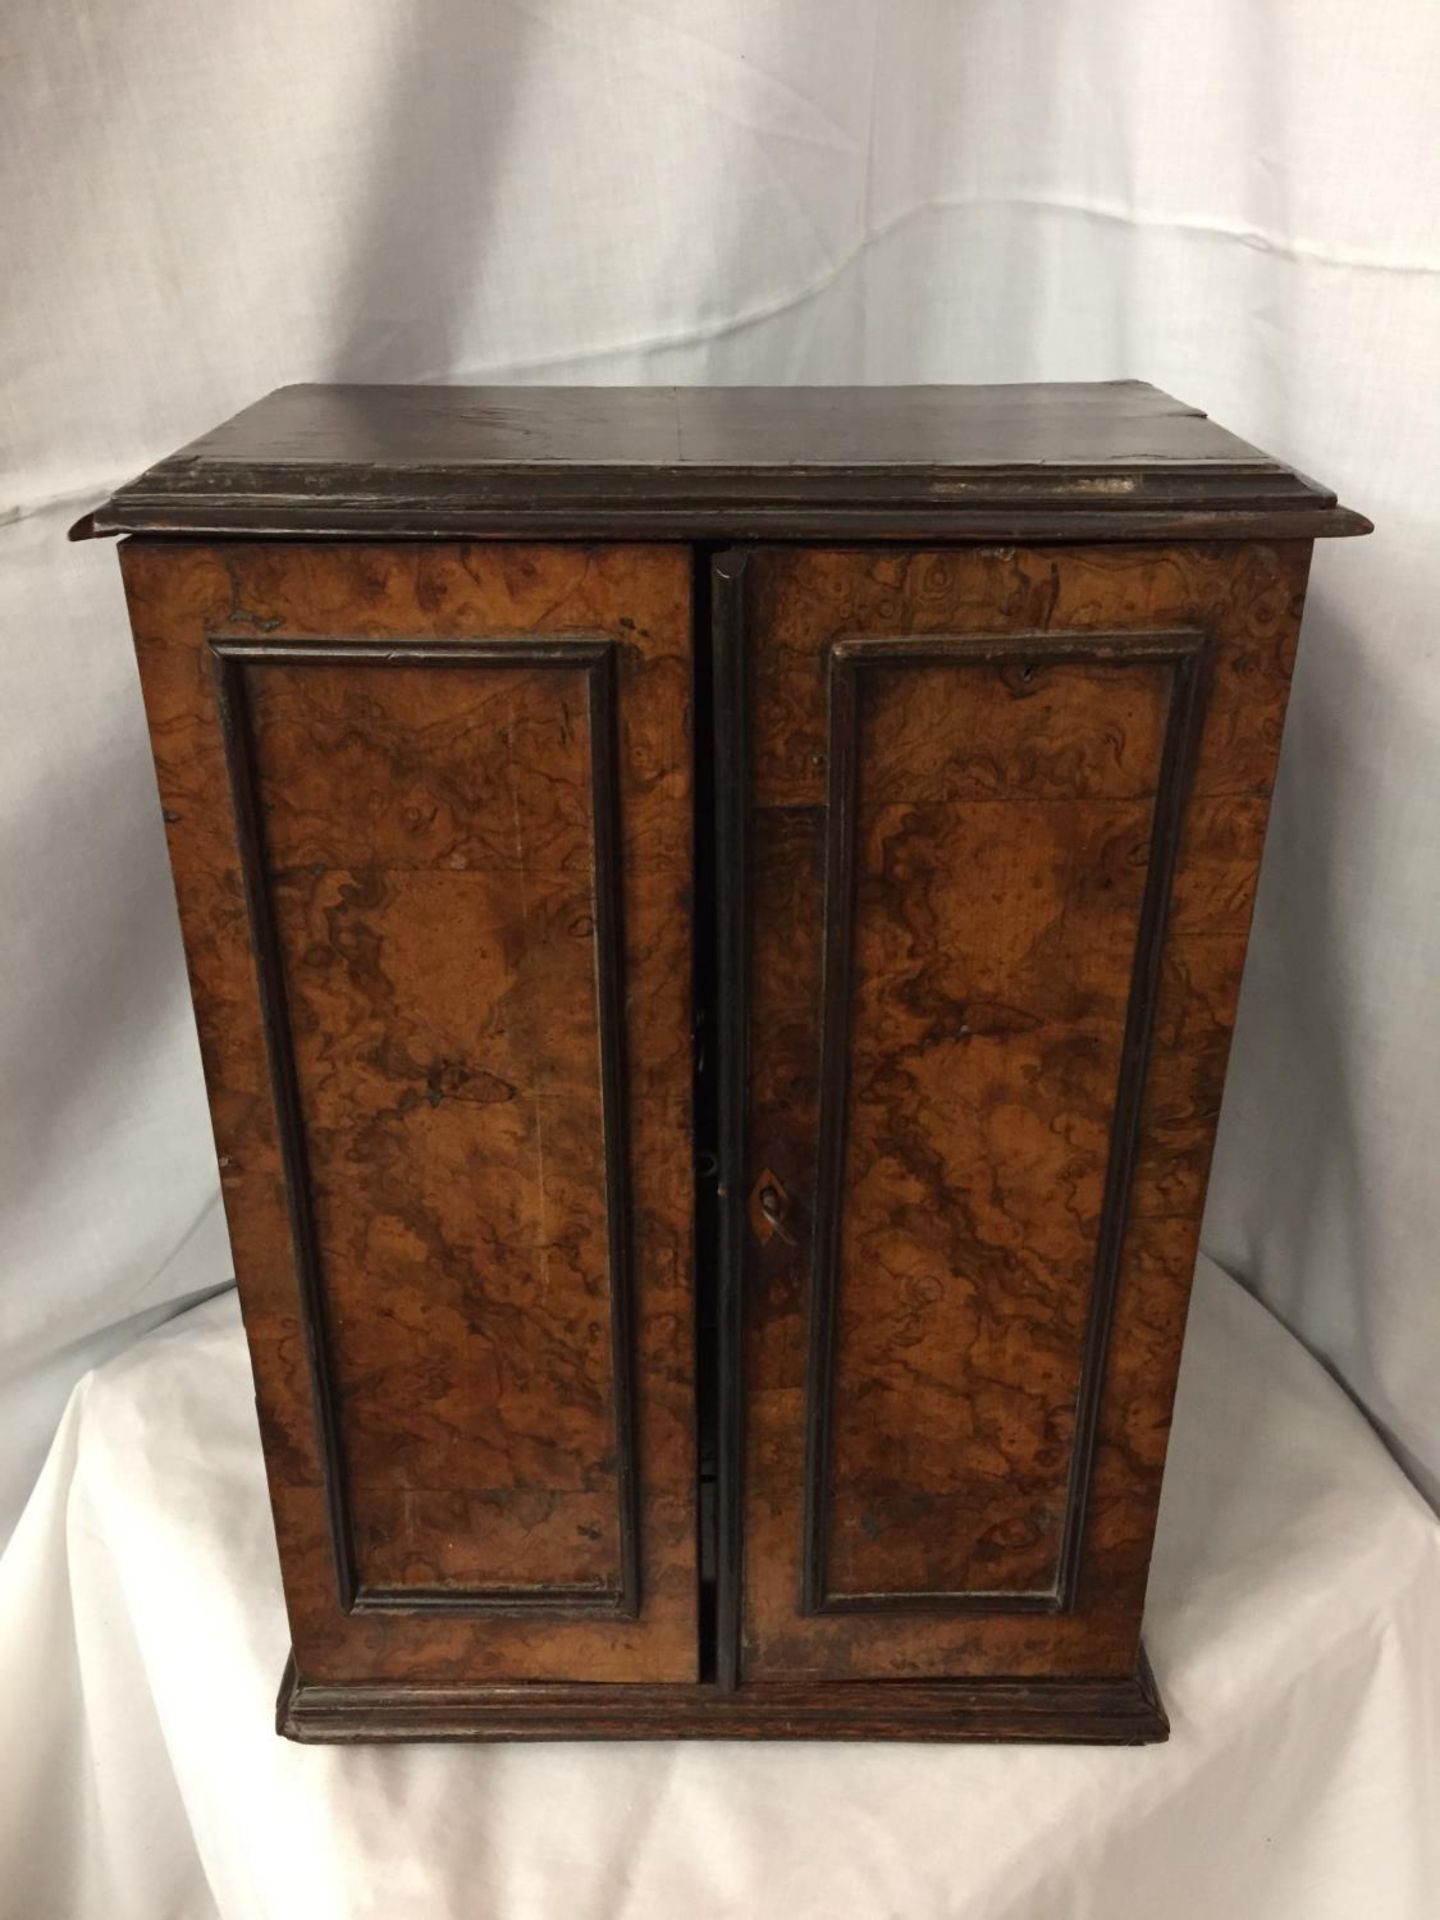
(715, 919)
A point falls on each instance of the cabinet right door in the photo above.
(1005, 815)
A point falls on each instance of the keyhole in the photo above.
(770, 1211)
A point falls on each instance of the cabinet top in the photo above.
(1098, 460)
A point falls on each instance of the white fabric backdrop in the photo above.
(1291, 1619)
(1236, 199)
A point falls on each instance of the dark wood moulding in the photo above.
(1096, 1712)
(1106, 461)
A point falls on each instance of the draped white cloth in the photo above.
(1291, 1623)
(1237, 200)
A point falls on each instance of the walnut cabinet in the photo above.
(715, 920)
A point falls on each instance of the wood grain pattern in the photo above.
(430, 838)
(942, 1148)
(454, 1070)
(994, 809)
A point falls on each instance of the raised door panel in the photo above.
(1005, 815)
(448, 789)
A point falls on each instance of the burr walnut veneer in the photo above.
(715, 920)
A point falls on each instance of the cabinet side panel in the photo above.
(949, 1606)
(468, 859)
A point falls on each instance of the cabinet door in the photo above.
(429, 812)
(1005, 811)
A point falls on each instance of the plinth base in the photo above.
(1120, 1712)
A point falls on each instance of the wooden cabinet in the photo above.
(715, 921)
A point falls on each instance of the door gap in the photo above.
(704, 1096)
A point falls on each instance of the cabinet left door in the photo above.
(429, 811)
